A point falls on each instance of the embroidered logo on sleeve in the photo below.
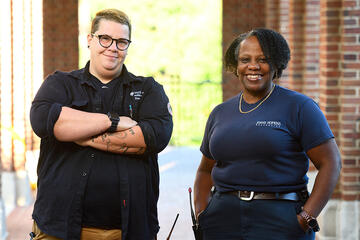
(169, 108)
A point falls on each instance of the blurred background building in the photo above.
(38, 37)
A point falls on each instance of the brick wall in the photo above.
(324, 37)
(60, 20)
(239, 17)
(349, 101)
(296, 41)
(329, 74)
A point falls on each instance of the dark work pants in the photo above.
(228, 218)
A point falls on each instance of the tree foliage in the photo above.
(178, 42)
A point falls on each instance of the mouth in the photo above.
(254, 77)
(110, 56)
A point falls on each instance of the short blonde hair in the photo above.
(111, 15)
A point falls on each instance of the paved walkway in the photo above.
(19, 223)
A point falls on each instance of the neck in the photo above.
(105, 76)
(254, 97)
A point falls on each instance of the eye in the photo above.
(106, 38)
(244, 60)
(262, 60)
(122, 41)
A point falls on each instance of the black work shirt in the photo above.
(101, 208)
(64, 167)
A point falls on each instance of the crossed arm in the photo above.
(89, 129)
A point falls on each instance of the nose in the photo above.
(254, 65)
(112, 47)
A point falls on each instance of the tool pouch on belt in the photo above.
(303, 195)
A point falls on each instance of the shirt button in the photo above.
(84, 174)
(92, 155)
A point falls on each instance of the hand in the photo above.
(125, 123)
(302, 223)
(198, 214)
(83, 142)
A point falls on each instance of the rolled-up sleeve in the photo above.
(46, 107)
(155, 119)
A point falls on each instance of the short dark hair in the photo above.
(111, 15)
(273, 45)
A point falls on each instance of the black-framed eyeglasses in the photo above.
(106, 41)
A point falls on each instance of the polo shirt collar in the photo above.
(125, 76)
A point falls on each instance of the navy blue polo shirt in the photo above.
(264, 150)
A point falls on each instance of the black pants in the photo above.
(227, 217)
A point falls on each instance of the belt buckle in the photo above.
(246, 198)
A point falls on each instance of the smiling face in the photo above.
(106, 63)
(253, 70)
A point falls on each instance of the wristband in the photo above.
(115, 119)
(311, 221)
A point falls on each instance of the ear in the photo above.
(89, 39)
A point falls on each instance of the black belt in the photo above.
(249, 195)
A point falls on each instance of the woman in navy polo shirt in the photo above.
(256, 151)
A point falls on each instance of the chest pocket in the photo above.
(134, 96)
(79, 104)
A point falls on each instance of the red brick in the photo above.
(329, 64)
(350, 118)
(349, 39)
(349, 4)
(330, 4)
(351, 48)
(352, 30)
(349, 144)
(355, 187)
(355, 13)
(330, 73)
(349, 74)
(330, 47)
(349, 178)
(352, 83)
(350, 197)
(351, 65)
(60, 27)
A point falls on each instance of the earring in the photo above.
(88, 46)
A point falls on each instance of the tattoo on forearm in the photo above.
(132, 131)
(103, 137)
(123, 148)
(141, 150)
(121, 135)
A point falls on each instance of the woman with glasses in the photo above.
(256, 150)
(101, 128)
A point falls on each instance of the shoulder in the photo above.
(62, 76)
(291, 97)
(224, 106)
(144, 81)
(148, 86)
